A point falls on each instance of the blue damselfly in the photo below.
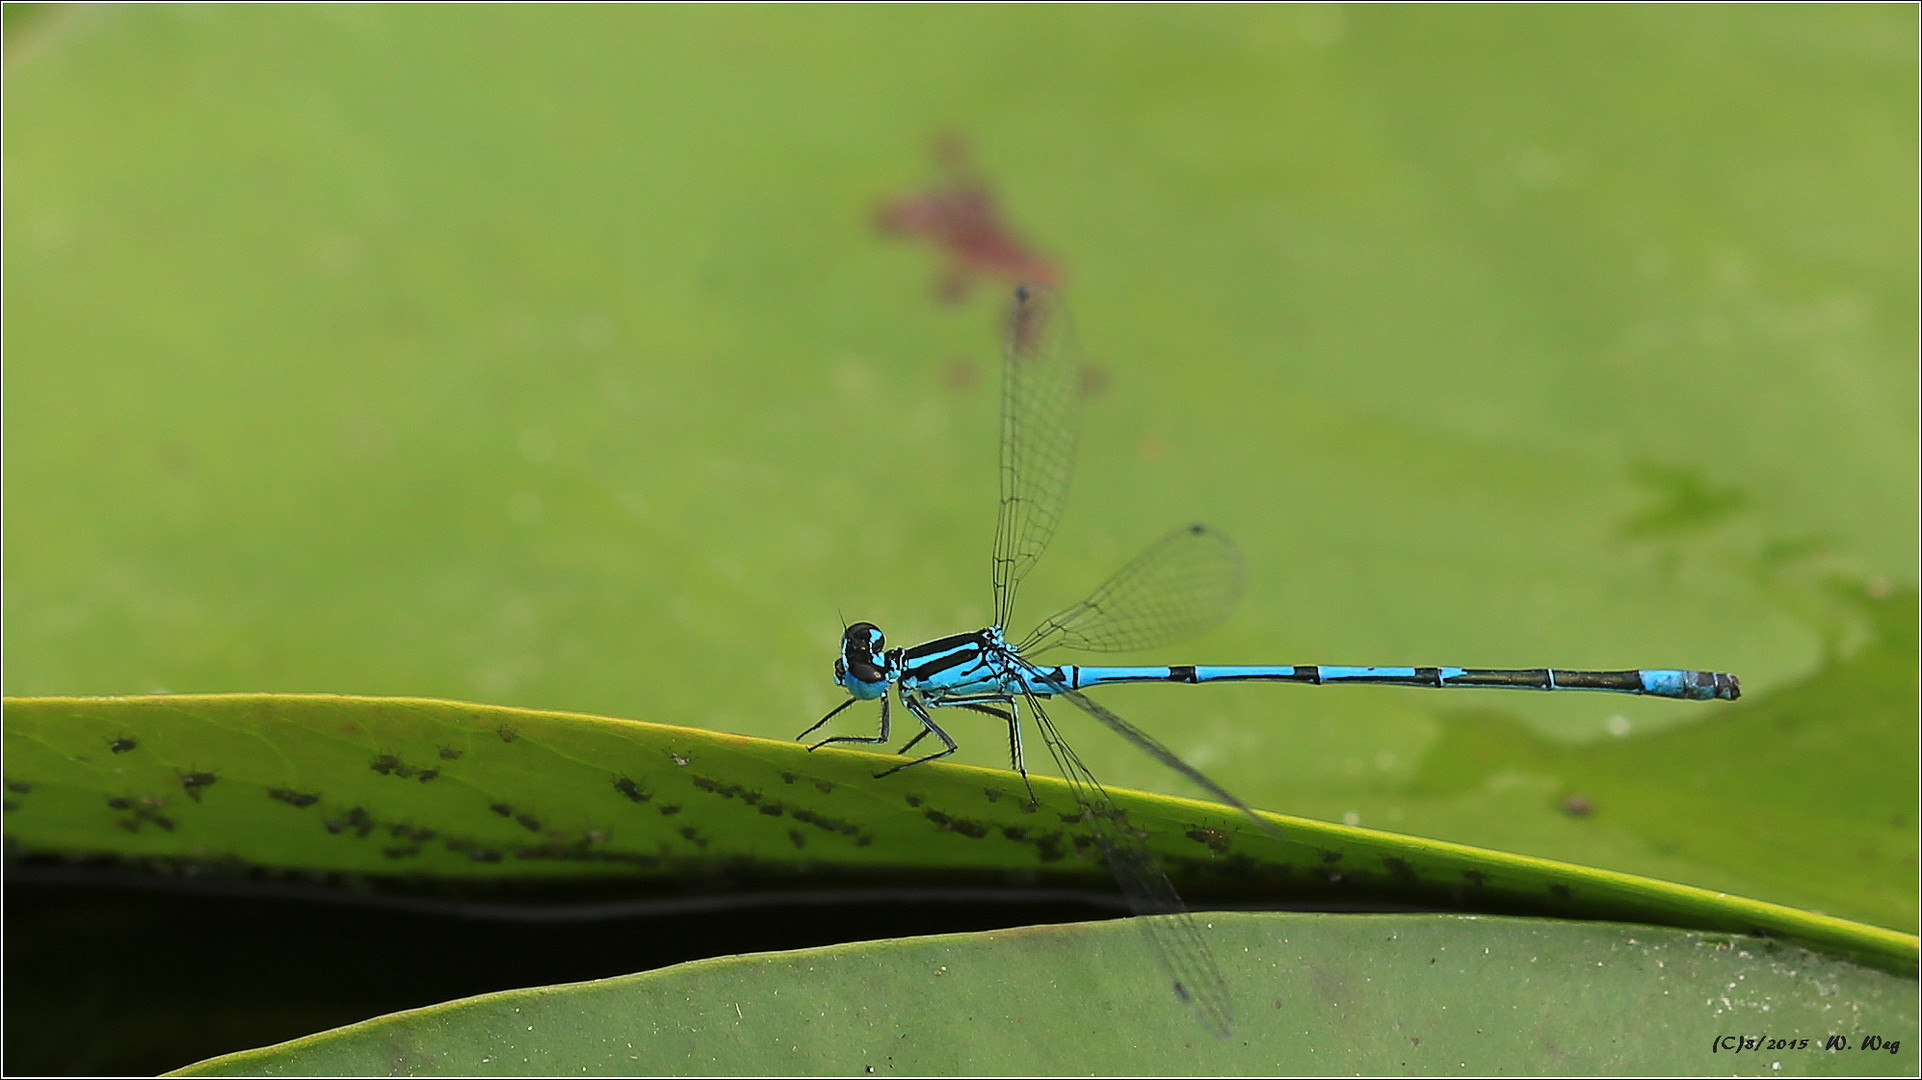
(1186, 582)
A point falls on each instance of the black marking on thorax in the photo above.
(942, 654)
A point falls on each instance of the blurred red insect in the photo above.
(960, 215)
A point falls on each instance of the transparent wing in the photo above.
(1040, 425)
(1185, 583)
(1175, 938)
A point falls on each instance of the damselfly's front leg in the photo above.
(863, 739)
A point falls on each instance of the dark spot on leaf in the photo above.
(993, 794)
(789, 778)
(669, 810)
(194, 781)
(914, 800)
(692, 835)
(799, 840)
(120, 803)
(632, 790)
(1331, 856)
(528, 822)
(1030, 806)
(1576, 806)
(332, 825)
(384, 764)
(19, 787)
(448, 753)
(937, 817)
(1475, 877)
(973, 830)
(297, 799)
(1559, 890)
(705, 784)
(1404, 872)
(361, 822)
(123, 744)
(484, 855)
(501, 808)
(1014, 832)
(1215, 839)
(428, 774)
(400, 852)
(826, 787)
(772, 809)
(161, 820)
(506, 733)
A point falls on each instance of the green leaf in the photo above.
(387, 786)
(1318, 994)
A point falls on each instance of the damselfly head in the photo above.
(862, 667)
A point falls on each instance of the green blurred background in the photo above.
(548, 357)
